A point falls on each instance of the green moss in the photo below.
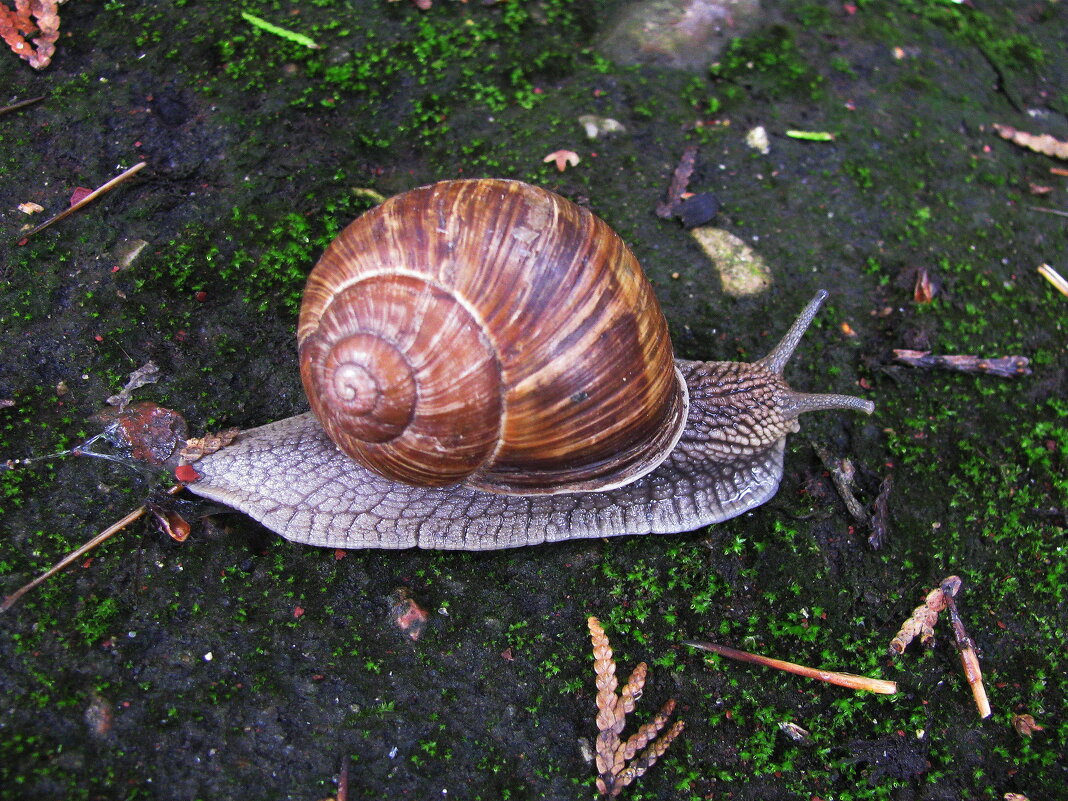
(767, 65)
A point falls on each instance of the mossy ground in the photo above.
(238, 660)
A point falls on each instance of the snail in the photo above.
(488, 367)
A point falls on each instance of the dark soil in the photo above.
(239, 665)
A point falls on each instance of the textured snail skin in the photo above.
(290, 477)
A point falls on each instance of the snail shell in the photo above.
(489, 332)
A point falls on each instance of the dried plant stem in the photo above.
(73, 556)
(118, 179)
(969, 659)
(22, 104)
(830, 676)
(1054, 277)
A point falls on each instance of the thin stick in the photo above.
(118, 179)
(831, 676)
(1044, 210)
(22, 104)
(969, 660)
(1054, 277)
(100, 538)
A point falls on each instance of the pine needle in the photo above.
(284, 33)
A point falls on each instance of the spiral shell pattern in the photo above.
(491, 332)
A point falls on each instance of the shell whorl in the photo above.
(490, 332)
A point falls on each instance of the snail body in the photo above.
(487, 368)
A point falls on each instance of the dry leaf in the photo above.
(144, 431)
(924, 290)
(679, 181)
(1044, 143)
(1025, 725)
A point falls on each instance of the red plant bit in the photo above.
(29, 16)
(186, 474)
(563, 158)
(407, 615)
(79, 194)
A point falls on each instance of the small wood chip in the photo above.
(1040, 143)
(1004, 366)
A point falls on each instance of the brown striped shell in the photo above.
(494, 333)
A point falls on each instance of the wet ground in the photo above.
(239, 664)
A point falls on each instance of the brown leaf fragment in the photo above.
(199, 447)
(618, 763)
(30, 17)
(99, 715)
(924, 290)
(1003, 366)
(1040, 143)
(145, 432)
(170, 522)
(795, 732)
(1025, 725)
(679, 181)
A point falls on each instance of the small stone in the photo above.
(683, 34)
(600, 126)
(757, 138)
(741, 269)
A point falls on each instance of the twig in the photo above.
(842, 472)
(1004, 366)
(118, 179)
(1044, 210)
(1054, 277)
(100, 538)
(849, 680)
(880, 514)
(969, 659)
(22, 104)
